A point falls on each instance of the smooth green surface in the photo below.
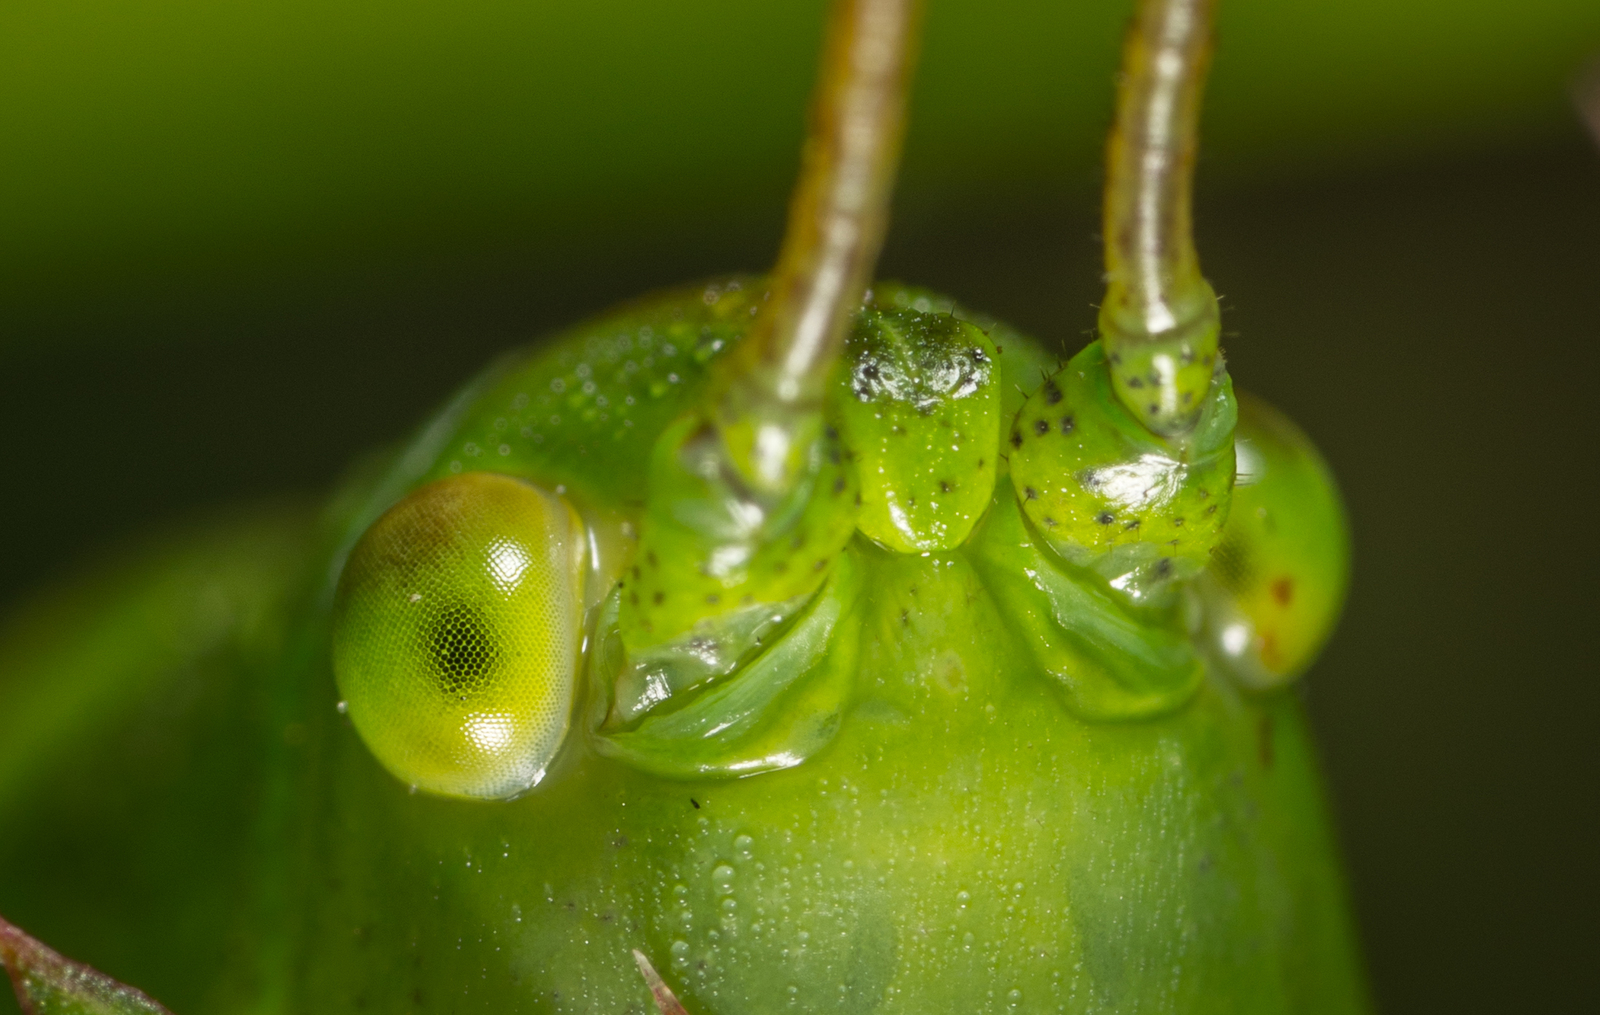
(956, 837)
(141, 758)
(1278, 582)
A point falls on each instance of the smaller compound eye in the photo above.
(456, 631)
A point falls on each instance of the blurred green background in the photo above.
(242, 242)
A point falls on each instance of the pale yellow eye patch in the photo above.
(456, 634)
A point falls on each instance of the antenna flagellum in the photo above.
(1159, 319)
(769, 406)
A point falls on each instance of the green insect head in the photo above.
(761, 434)
(841, 647)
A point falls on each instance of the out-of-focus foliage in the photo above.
(174, 130)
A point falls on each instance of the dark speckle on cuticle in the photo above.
(1135, 382)
(1052, 394)
(1105, 518)
(1016, 438)
(659, 598)
(1067, 424)
(1030, 493)
(1041, 427)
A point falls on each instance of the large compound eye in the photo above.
(456, 633)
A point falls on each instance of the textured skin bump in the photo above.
(1277, 582)
(1164, 380)
(1112, 662)
(1022, 360)
(919, 409)
(1110, 495)
(455, 634)
(709, 547)
(584, 411)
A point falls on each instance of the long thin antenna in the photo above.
(772, 388)
(1158, 311)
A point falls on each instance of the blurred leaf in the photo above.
(48, 984)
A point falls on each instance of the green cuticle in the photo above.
(1136, 509)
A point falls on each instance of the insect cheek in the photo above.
(456, 634)
(1141, 510)
(1275, 587)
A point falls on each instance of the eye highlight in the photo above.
(456, 631)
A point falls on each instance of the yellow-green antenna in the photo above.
(1159, 320)
(770, 399)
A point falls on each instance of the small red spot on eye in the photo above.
(1283, 591)
(1271, 658)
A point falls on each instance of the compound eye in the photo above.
(456, 634)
